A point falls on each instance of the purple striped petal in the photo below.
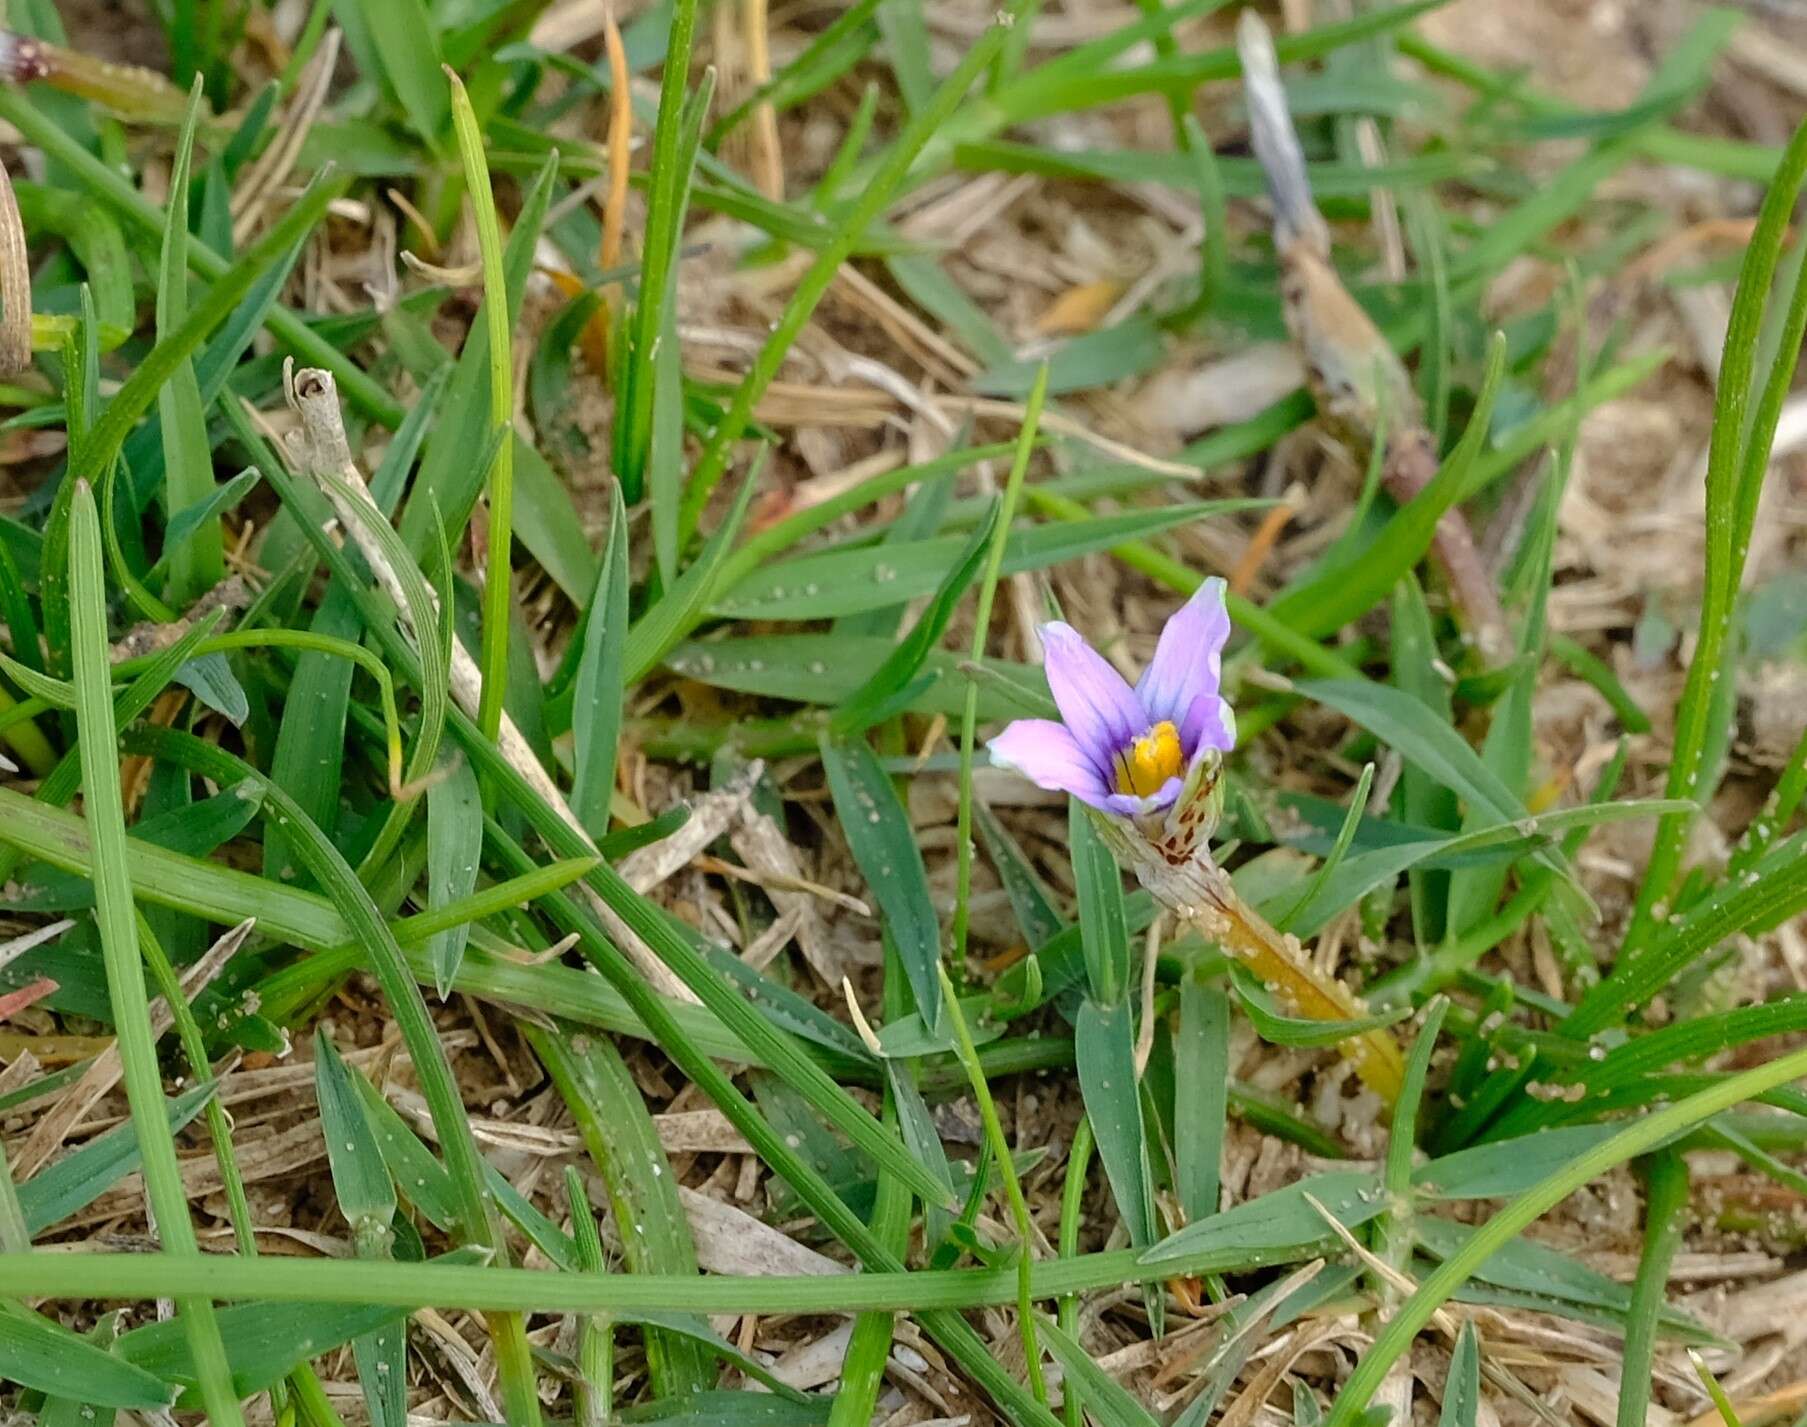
(1047, 755)
(1181, 680)
(1095, 701)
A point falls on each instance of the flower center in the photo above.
(1145, 766)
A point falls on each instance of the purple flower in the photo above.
(1122, 750)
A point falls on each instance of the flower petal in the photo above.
(1047, 755)
(1209, 724)
(1095, 701)
(1181, 680)
(1129, 805)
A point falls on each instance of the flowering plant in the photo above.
(1147, 761)
(1149, 753)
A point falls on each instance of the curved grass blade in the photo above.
(1737, 465)
(624, 1145)
(878, 832)
(475, 1206)
(366, 1196)
(36, 1352)
(454, 849)
(119, 946)
(599, 685)
(197, 561)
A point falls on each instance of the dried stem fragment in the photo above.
(323, 454)
(1355, 377)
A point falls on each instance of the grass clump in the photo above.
(521, 528)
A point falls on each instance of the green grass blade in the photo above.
(1462, 1389)
(196, 563)
(1006, 513)
(666, 199)
(403, 36)
(1101, 916)
(1737, 463)
(119, 945)
(1106, 1400)
(1638, 1137)
(37, 1352)
(498, 574)
(878, 831)
(454, 849)
(896, 678)
(1201, 1084)
(600, 684)
(366, 1196)
(476, 1223)
(712, 465)
(1104, 1047)
(1665, 1223)
(227, 290)
(643, 1192)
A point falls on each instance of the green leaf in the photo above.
(309, 756)
(1103, 928)
(366, 1196)
(454, 850)
(597, 692)
(668, 195)
(839, 582)
(652, 636)
(116, 924)
(211, 680)
(76, 1411)
(1525, 1266)
(665, 447)
(1356, 876)
(451, 471)
(185, 524)
(1462, 1388)
(1277, 1028)
(828, 668)
(408, 48)
(197, 562)
(1201, 1083)
(43, 1355)
(1421, 738)
(1037, 916)
(1737, 469)
(1106, 1401)
(264, 1341)
(651, 1225)
(360, 1180)
(1278, 1226)
(547, 522)
(899, 671)
(885, 846)
(1104, 1051)
(1506, 1167)
(1423, 801)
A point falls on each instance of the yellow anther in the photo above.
(1145, 766)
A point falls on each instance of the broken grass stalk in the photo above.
(324, 455)
(1355, 377)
